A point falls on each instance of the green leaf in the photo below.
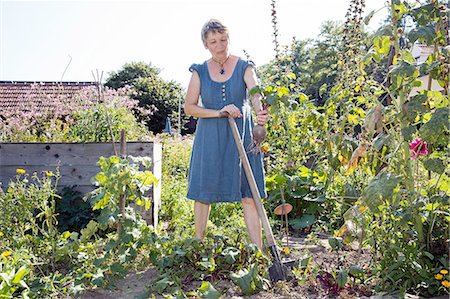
(381, 140)
(342, 278)
(90, 229)
(416, 106)
(320, 198)
(436, 165)
(381, 187)
(208, 291)
(101, 178)
(118, 269)
(20, 274)
(335, 243)
(408, 132)
(367, 18)
(245, 279)
(303, 221)
(355, 271)
(147, 177)
(162, 284)
(436, 130)
(255, 90)
(422, 33)
(382, 45)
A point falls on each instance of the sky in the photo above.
(70, 40)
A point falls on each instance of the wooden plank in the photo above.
(53, 154)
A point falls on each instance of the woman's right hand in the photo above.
(232, 110)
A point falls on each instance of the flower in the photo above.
(443, 271)
(49, 173)
(418, 147)
(20, 171)
(362, 208)
(438, 276)
(289, 164)
(445, 283)
(265, 148)
(6, 253)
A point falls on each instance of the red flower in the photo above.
(418, 147)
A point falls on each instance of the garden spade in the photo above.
(277, 271)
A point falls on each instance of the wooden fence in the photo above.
(77, 163)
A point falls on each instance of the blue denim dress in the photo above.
(215, 172)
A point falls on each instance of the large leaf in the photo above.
(435, 165)
(408, 132)
(416, 106)
(208, 291)
(436, 130)
(89, 231)
(246, 280)
(381, 187)
(423, 34)
(303, 221)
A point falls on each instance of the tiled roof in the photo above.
(17, 96)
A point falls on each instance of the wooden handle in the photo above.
(252, 183)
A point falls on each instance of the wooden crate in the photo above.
(77, 164)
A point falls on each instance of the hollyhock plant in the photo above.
(418, 147)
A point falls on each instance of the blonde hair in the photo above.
(213, 25)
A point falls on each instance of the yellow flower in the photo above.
(286, 250)
(49, 173)
(438, 276)
(362, 208)
(443, 271)
(265, 148)
(20, 171)
(6, 253)
(445, 283)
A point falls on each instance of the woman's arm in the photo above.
(192, 108)
(262, 116)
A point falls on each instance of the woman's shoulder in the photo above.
(244, 63)
(198, 67)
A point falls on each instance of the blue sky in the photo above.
(37, 38)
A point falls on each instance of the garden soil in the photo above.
(323, 258)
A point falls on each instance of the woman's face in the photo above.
(217, 42)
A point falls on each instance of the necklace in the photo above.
(222, 70)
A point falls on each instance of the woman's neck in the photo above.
(221, 58)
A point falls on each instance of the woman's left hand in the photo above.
(262, 117)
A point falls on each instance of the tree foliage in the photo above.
(152, 92)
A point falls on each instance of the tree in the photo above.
(313, 62)
(152, 92)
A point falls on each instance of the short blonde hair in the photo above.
(213, 25)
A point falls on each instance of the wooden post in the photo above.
(122, 199)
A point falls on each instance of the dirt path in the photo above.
(129, 287)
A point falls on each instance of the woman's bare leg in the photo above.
(252, 221)
(201, 215)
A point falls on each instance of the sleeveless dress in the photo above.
(215, 172)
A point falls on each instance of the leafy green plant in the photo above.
(120, 181)
(73, 212)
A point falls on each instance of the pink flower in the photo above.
(418, 147)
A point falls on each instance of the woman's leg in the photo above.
(201, 215)
(252, 221)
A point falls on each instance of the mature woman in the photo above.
(215, 172)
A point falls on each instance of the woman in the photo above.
(215, 172)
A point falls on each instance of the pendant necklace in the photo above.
(222, 70)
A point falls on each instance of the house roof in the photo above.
(17, 96)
